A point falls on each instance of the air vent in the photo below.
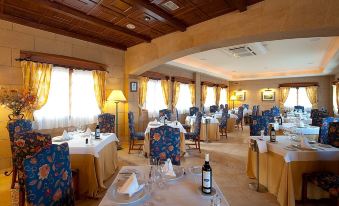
(239, 51)
(170, 5)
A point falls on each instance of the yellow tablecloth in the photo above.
(93, 171)
(283, 179)
(182, 144)
(212, 130)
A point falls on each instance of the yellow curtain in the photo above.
(37, 80)
(283, 96)
(203, 94)
(142, 91)
(176, 90)
(337, 91)
(165, 90)
(99, 78)
(192, 91)
(217, 95)
(312, 94)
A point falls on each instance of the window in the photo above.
(297, 96)
(184, 99)
(335, 106)
(210, 97)
(69, 103)
(155, 100)
(223, 96)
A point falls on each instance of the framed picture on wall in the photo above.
(133, 86)
(240, 95)
(268, 95)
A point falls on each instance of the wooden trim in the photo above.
(183, 80)
(59, 60)
(155, 75)
(211, 84)
(299, 84)
(241, 5)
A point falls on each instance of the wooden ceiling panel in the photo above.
(24, 14)
(82, 5)
(118, 6)
(106, 14)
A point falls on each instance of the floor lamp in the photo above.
(233, 98)
(117, 96)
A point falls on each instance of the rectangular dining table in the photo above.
(281, 170)
(95, 161)
(181, 192)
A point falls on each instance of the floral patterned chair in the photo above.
(267, 113)
(333, 134)
(240, 117)
(49, 177)
(313, 112)
(259, 123)
(134, 136)
(193, 111)
(323, 133)
(166, 112)
(195, 135)
(165, 143)
(26, 144)
(275, 111)
(213, 109)
(318, 117)
(13, 127)
(327, 181)
(223, 122)
(106, 123)
(298, 108)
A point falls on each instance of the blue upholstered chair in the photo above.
(49, 177)
(313, 112)
(195, 135)
(134, 136)
(193, 111)
(298, 108)
(13, 127)
(106, 123)
(318, 117)
(246, 106)
(223, 122)
(275, 111)
(213, 108)
(166, 112)
(333, 134)
(221, 107)
(259, 123)
(254, 110)
(323, 136)
(165, 143)
(267, 113)
(240, 118)
(258, 110)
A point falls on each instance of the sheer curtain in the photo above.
(155, 100)
(303, 99)
(84, 107)
(210, 98)
(297, 97)
(55, 113)
(223, 96)
(184, 99)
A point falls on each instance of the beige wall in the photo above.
(15, 37)
(253, 89)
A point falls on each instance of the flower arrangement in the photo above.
(18, 100)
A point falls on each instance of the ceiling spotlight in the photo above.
(130, 26)
(147, 18)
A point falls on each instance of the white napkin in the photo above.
(88, 130)
(131, 186)
(262, 146)
(169, 168)
(65, 135)
(305, 144)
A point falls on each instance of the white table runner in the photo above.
(171, 124)
(78, 145)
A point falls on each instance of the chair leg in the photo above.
(21, 196)
(226, 132)
(14, 176)
(199, 144)
(241, 126)
(129, 148)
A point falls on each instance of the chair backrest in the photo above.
(259, 123)
(297, 108)
(193, 111)
(106, 123)
(275, 111)
(323, 136)
(254, 110)
(131, 125)
(313, 112)
(198, 124)
(213, 108)
(221, 107)
(240, 114)
(166, 112)
(267, 113)
(333, 134)
(49, 177)
(224, 117)
(246, 106)
(165, 143)
(26, 144)
(318, 117)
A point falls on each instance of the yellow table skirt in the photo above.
(212, 130)
(283, 179)
(94, 171)
(182, 144)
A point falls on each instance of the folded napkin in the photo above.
(168, 167)
(65, 135)
(131, 186)
(305, 144)
(262, 146)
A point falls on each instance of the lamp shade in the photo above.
(233, 98)
(116, 96)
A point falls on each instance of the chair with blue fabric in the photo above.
(246, 106)
(267, 113)
(240, 118)
(193, 111)
(318, 117)
(106, 123)
(49, 177)
(259, 123)
(299, 108)
(195, 135)
(333, 134)
(213, 108)
(26, 144)
(13, 127)
(166, 112)
(165, 143)
(134, 136)
(313, 112)
(221, 107)
(254, 110)
(275, 111)
(323, 133)
(223, 122)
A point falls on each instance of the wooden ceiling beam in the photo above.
(61, 31)
(159, 14)
(60, 8)
(241, 5)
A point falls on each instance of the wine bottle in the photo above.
(206, 176)
(272, 135)
(97, 132)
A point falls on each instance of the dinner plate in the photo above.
(124, 199)
(195, 170)
(179, 172)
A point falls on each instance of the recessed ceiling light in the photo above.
(147, 18)
(130, 26)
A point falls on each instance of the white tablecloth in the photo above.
(173, 124)
(322, 154)
(293, 119)
(78, 145)
(184, 191)
(191, 120)
(307, 130)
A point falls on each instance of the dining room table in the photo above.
(96, 160)
(180, 191)
(282, 163)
